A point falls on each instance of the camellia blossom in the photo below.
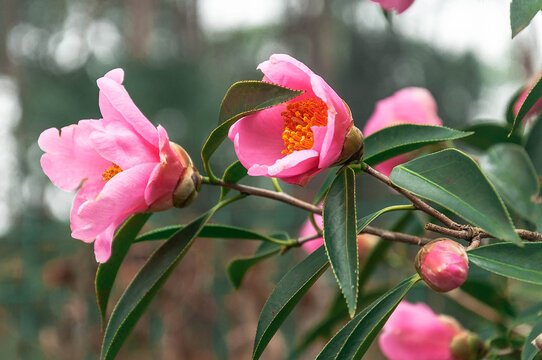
(121, 164)
(298, 139)
(398, 5)
(443, 264)
(537, 107)
(365, 241)
(415, 332)
(411, 105)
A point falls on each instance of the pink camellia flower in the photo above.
(298, 139)
(411, 105)
(415, 332)
(537, 107)
(121, 163)
(443, 264)
(398, 5)
(365, 241)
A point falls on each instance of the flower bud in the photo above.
(189, 182)
(443, 264)
(537, 342)
(352, 147)
(466, 346)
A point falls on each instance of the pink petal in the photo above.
(103, 243)
(124, 147)
(398, 5)
(286, 71)
(69, 156)
(257, 138)
(122, 195)
(166, 174)
(308, 230)
(117, 106)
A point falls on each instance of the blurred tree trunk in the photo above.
(139, 15)
(189, 28)
(9, 10)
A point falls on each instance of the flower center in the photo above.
(298, 119)
(110, 172)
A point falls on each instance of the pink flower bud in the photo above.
(443, 264)
(121, 164)
(298, 139)
(415, 332)
(398, 5)
(411, 105)
(467, 346)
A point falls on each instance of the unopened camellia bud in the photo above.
(466, 346)
(189, 183)
(443, 264)
(352, 147)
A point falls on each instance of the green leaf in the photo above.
(529, 350)
(286, 295)
(509, 168)
(534, 145)
(107, 272)
(340, 234)
(212, 231)
(453, 180)
(353, 340)
(487, 134)
(146, 285)
(521, 14)
(243, 98)
(510, 106)
(520, 263)
(233, 174)
(237, 268)
(399, 139)
(534, 95)
(366, 220)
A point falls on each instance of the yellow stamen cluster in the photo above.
(298, 118)
(110, 172)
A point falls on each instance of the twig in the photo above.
(416, 201)
(470, 232)
(474, 305)
(396, 236)
(280, 196)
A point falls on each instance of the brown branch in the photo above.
(280, 196)
(395, 236)
(416, 201)
(471, 232)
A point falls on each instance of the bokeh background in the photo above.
(180, 56)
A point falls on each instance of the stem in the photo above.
(471, 233)
(396, 236)
(315, 225)
(276, 185)
(474, 305)
(279, 196)
(416, 201)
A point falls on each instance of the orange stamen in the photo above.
(110, 172)
(298, 119)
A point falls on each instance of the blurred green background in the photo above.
(180, 56)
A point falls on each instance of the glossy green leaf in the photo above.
(366, 220)
(233, 174)
(521, 14)
(340, 234)
(520, 263)
(237, 268)
(487, 134)
(353, 340)
(534, 95)
(529, 350)
(286, 295)
(399, 139)
(509, 168)
(146, 285)
(243, 98)
(107, 272)
(212, 231)
(534, 145)
(453, 180)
